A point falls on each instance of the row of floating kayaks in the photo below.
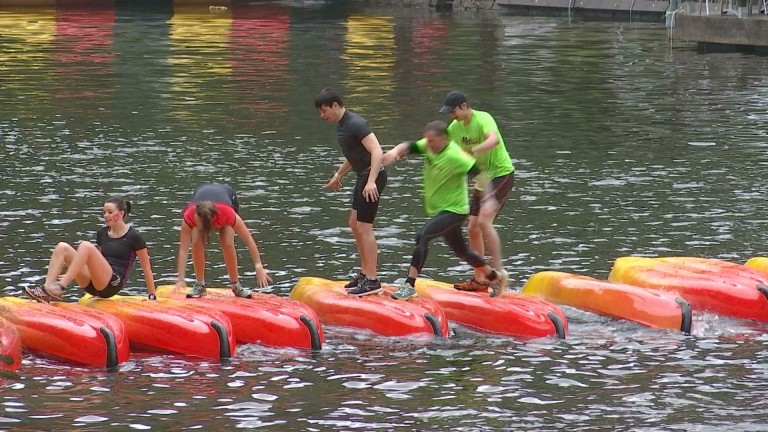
(663, 292)
(101, 332)
(656, 292)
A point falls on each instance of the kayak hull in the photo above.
(724, 293)
(708, 266)
(378, 313)
(512, 314)
(68, 332)
(652, 308)
(265, 319)
(152, 325)
(10, 347)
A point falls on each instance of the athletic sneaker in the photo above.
(38, 293)
(405, 292)
(472, 285)
(366, 287)
(240, 291)
(355, 281)
(198, 290)
(499, 285)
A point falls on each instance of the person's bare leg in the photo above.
(476, 244)
(227, 241)
(198, 256)
(62, 255)
(482, 235)
(87, 266)
(359, 241)
(492, 243)
(369, 250)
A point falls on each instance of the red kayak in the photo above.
(512, 314)
(264, 318)
(10, 347)
(726, 294)
(70, 332)
(718, 268)
(378, 313)
(156, 326)
(652, 308)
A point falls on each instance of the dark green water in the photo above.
(624, 145)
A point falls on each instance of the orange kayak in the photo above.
(156, 326)
(722, 293)
(652, 308)
(75, 334)
(378, 313)
(10, 346)
(512, 314)
(266, 319)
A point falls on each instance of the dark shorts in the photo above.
(113, 287)
(501, 185)
(366, 211)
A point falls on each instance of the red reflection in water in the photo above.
(84, 3)
(428, 39)
(83, 52)
(259, 40)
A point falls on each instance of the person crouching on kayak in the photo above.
(446, 167)
(214, 206)
(101, 269)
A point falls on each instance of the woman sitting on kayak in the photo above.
(101, 269)
(214, 206)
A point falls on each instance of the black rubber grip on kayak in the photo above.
(435, 323)
(109, 338)
(558, 323)
(6, 359)
(224, 351)
(314, 334)
(763, 289)
(685, 310)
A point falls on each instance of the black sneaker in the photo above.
(366, 287)
(355, 281)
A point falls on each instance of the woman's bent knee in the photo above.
(86, 245)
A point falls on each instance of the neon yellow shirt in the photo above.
(445, 178)
(495, 162)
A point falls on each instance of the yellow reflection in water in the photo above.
(26, 34)
(26, 52)
(199, 40)
(369, 51)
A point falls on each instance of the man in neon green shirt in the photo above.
(446, 168)
(477, 134)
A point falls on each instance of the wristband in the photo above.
(152, 297)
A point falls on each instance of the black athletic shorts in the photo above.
(501, 185)
(366, 211)
(113, 287)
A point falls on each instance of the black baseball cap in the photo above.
(452, 100)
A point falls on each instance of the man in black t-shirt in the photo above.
(363, 154)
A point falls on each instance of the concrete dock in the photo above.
(720, 31)
(640, 10)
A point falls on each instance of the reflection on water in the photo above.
(369, 56)
(622, 146)
(199, 64)
(259, 54)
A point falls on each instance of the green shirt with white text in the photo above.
(496, 162)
